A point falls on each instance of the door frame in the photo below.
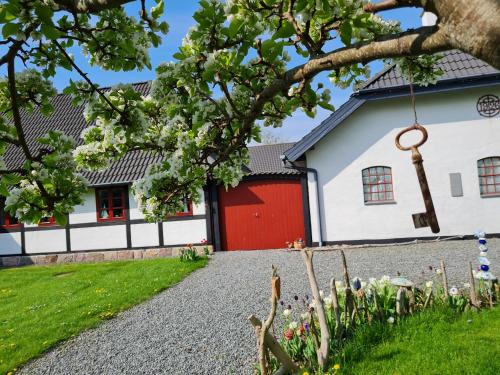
(215, 221)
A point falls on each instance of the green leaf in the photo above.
(346, 33)
(44, 12)
(157, 11)
(5, 15)
(327, 105)
(61, 219)
(179, 56)
(50, 31)
(286, 31)
(10, 29)
(235, 26)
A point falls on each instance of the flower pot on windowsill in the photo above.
(298, 245)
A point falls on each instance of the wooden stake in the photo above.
(445, 279)
(428, 299)
(472, 282)
(275, 348)
(336, 309)
(324, 348)
(400, 302)
(349, 298)
(263, 353)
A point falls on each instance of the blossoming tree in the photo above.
(232, 73)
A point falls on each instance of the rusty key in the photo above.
(427, 218)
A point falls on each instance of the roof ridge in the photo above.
(109, 87)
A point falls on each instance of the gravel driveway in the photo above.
(200, 325)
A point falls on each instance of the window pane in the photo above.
(118, 213)
(488, 161)
(104, 214)
(364, 172)
(491, 188)
(489, 180)
(389, 195)
(388, 187)
(117, 193)
(117, 202)
(103, 195)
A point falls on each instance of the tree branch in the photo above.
(90, 6)
(391, 4)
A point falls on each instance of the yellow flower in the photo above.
(305, 373)
(9, 373)
(336, 366)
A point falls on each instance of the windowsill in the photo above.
(493, 195)
(377, 203)
(100, 220)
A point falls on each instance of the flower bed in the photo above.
(317, 328)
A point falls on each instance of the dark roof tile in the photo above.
(454, 64)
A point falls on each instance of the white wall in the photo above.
(10, 243)
(47, 241)
(458, 137)
(85, 213)
(144, 235)
(96, 238)
(180, 231)
(183, 232)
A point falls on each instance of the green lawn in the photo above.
(41, 306)
(433, 342)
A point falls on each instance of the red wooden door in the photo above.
(261, 214)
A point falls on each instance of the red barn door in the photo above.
(261, 214)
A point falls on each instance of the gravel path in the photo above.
(199, 326)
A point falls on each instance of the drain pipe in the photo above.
(289, 165)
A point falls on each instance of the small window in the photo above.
(47, 221)
(187, 208)
(488, 170)
(6, 220)
(377, 184)
(111, 204)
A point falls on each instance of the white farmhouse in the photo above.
(363, 189)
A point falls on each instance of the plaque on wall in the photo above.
(488, 105)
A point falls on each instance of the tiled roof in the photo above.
(266, 159)
(454, 64)
(69, 119)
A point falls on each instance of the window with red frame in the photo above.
(111, 203)
(47, 221)
(187, 208)
(6, 220)
(488, 170)
(377, 184)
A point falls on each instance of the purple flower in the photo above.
(356, 284)
(289, 307)
(306, 326)
(296, 298)
(282, 303)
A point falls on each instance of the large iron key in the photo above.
(427, 218)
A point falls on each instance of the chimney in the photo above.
(428, 19)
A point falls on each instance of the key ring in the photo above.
(415, 126)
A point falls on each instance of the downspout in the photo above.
(289, 165)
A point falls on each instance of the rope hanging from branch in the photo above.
(427, 218)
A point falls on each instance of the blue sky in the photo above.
(178, 14)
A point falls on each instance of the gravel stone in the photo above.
(200, 325)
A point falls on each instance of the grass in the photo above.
(44, 305)
(432, 342)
